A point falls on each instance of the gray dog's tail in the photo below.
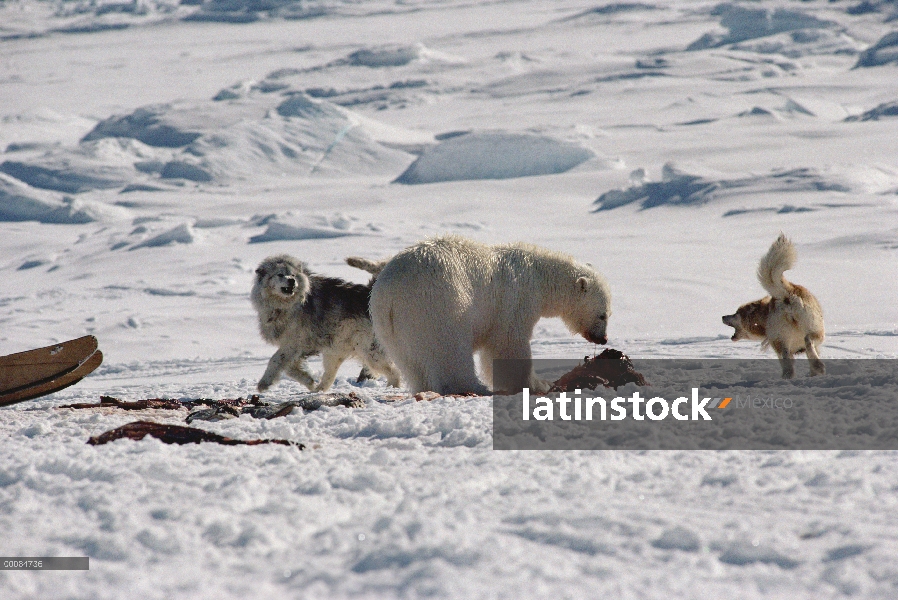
(371, 266)
(780, 258)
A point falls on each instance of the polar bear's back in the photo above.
(453, 276)
(449, 268)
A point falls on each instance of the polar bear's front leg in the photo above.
(537, 385)
(451, 370)
(486, 366)
(515, 376)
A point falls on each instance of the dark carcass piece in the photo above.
(612, 369)
(175, 434)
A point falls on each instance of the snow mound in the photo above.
(678, 538)
(396, 56)
(606, 11)
(744, 553)
(305, 107)
(92, 165)
(803, 42)
(42, 18)
(249, 11)
(280, 232)
(63, 176)
(493, 155)
(216, 141)
(683, 189)
(181, 234)
(153, 125)
(883, 52)
(288, 228)
(751, 23)
(866, 7)
(21, 202)
(388, 56)
(887, 109)
(322, 142)
(177, 169)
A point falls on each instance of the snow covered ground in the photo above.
(153, 152)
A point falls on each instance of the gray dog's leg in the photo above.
(331, 362)
(273, 372)
(376, 360)
(364, 375)
(299, 371)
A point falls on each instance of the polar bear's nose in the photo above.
(596, 339)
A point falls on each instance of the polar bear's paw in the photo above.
(539, 386)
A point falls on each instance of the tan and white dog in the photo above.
(789, 320)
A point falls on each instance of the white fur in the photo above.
(438, 302)
(780, 258)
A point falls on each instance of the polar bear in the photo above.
(437, 303)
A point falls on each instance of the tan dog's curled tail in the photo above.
(371, 266)
(780, 258)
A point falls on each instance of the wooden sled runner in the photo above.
(42, 371)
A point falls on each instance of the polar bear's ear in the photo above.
(583, 284)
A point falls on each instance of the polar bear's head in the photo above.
(589, 308)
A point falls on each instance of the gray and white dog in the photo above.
(305, 314)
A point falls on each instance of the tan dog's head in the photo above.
(750, 321)
(281, 278)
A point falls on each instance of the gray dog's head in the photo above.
(281, 278)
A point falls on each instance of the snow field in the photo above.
(152, 153)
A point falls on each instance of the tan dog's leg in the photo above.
(810, 346)
(787, 361)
